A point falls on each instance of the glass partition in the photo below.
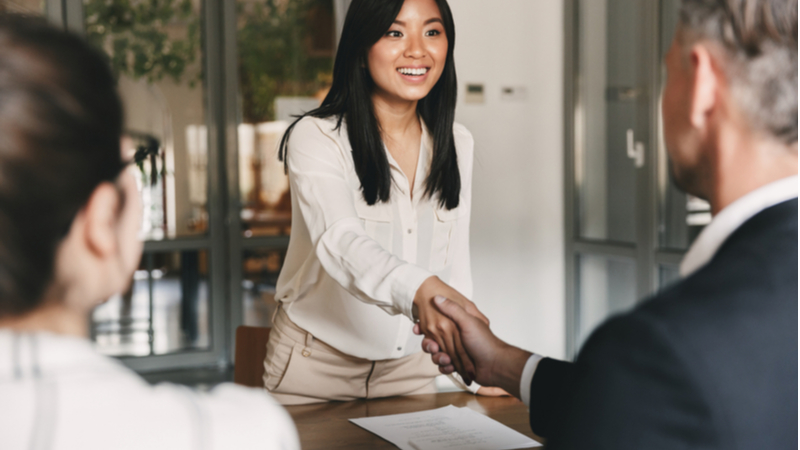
(285, 69)
(165, 310)
(156, 52)
(606, 285)
(611, 117)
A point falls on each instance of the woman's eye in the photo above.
(393, 34)
(433, 33)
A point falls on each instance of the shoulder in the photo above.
(313, 138)
(463, 137)
(641, 345)
(240, 417)
(309, 128)
(465, 145)
(631, 335)
(752, 279)
(629, 384)
(249, 410)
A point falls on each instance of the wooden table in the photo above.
(326, 425)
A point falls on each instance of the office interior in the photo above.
(574, 216)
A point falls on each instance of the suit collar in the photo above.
(732, 217)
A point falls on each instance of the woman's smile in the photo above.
(414, 74)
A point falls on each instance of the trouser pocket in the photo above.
(279, 354)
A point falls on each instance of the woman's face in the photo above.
(408, 60)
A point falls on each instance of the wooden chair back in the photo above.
(251, 350)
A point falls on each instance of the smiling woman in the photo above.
(380, 179)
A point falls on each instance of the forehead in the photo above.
(419, 10)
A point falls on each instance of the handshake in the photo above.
(458, 338)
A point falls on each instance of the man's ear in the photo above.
(706, 84)
(100, 217)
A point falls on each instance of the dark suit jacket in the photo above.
(709, 363)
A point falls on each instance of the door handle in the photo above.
(635, 150)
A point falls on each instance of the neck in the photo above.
(52, 317)
(395, 117)
(745, 162)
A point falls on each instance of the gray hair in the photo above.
(760, 42)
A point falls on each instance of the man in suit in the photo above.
(710, 362)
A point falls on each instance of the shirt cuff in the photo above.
(460, 383)
(527, 378)
(407, 282)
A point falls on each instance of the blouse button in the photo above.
(410, 231)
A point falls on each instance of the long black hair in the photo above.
(350, 99)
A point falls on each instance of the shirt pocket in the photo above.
(444, 236)
(377, 221)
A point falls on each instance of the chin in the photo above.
(413, 95)
(689, 167)
(687, 179)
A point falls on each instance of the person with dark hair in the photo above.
(380, 179)
(710, 362)
(69, 217)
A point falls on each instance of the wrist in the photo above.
(427, 290)
(508, 367)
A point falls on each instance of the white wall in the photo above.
(518, 214)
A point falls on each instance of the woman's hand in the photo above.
(488, 391)
(436, 326)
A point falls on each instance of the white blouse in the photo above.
(57, 393)
(352, 270)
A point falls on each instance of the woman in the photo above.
(380, 181)
(69, 216)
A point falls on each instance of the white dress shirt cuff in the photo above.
(527, 378)
(406, 284)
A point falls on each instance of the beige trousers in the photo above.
(300, 369)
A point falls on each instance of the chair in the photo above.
(251, 350)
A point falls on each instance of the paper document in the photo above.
(445, 428)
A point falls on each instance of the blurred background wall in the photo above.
(517, 213)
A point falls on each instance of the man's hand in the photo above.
(480, 344)
(496, 363)
(440, 329)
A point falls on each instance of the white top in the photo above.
(352, 270)
(57, 393)
(707, 243)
